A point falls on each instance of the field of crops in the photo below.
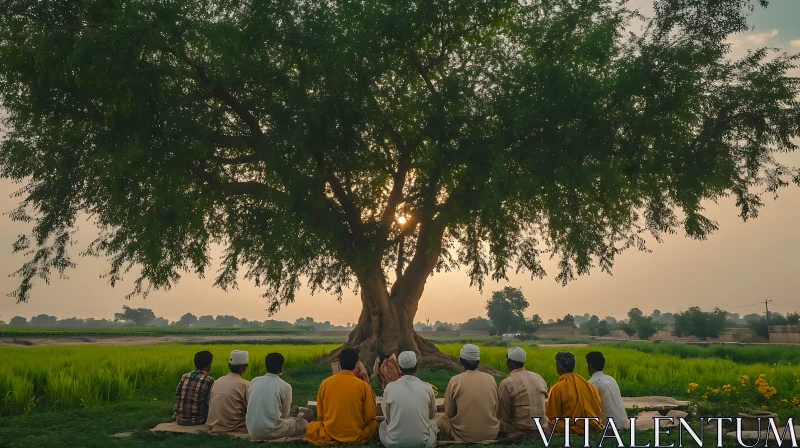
(107, 332)
(35, 378)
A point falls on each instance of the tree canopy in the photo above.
(505, 309)
(137, 316)
(341, 142)
(701, 324)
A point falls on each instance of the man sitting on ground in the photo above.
(409, 408)
(269, 405)
(387, 369)
(610, 396)
(470, 403)
(228, 407)
(522, 397)
(345, 407)
(193, 392)
(572, 397)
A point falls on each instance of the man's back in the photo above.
(346, 411)
(610, 399)
(192, 398)
(228, 404)
(572, 396)
(471, 403)
(409, 407)
(269, 402)
(522, 396)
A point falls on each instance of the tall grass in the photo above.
(33, 378)
(739, 353)
(66, 332)
(639, 373)
(72, 376)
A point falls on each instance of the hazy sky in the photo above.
(740, 264)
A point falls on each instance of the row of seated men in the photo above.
(475, 408)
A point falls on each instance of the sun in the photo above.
(401, 220)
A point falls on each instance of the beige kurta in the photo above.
(228, 407)
(470, 408)
(522, 396)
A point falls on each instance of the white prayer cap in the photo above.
(239, 358)
(517, 354)
(407, 360)
(470, 352)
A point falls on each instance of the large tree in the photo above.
(372, 144)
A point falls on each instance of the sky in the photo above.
(738, 266)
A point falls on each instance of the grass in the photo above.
(105, 332)
(747, 354)
(60, 377)
(95, 426)
(80, 395)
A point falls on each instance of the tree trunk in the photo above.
(386, 323)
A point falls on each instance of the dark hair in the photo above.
(203, 359)
(348, 358)
(566, 361)
(596, 360)
(274, 363)
(469, 365)
(515, 364)
(237, 368)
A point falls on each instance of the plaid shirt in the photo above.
(191, 398)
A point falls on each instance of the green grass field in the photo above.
(81, 394)
(9, 331)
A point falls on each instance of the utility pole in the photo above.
(766, 306)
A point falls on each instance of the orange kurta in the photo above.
(574, 397)
(346, 412)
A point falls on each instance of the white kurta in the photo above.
(409, 407)
(268, 412)
(610, 399)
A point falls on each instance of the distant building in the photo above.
(558, 331)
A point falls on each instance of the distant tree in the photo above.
(610, 319)
(626, 327)
(158, 322)
(187, 320)
(269, 323)
(206, 321)
(533, 324)
(138, 316)
(71, 322)
(505, 309)
(2, 322)
(667, 318)
(422, 326)
(656, 314)
(635, 312)
(226, 321)
(92, 322)
(43, 320)
(751, 317)
(476, 324)
(18, 320)
(253, 324)
(443, 328)
(700, 324)
(603, 328)
(645, 326)
(550, 321)
(568, 319)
